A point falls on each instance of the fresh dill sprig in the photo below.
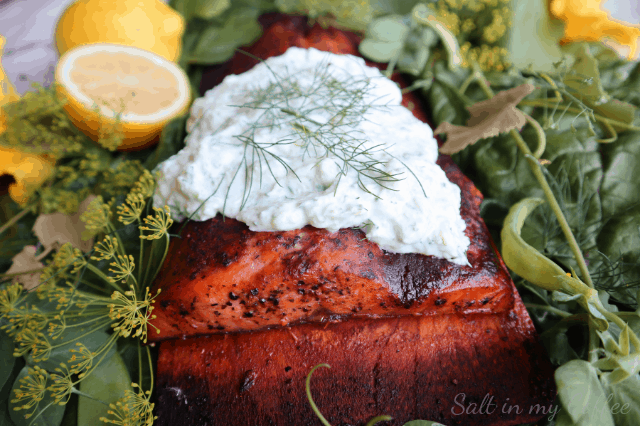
(286, 104)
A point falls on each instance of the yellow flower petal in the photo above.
(7, 91)
(585, 20)
(29, 171)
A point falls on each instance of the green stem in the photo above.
(537, 172)
(467, 83)
(66, 342)
(594, 344)
(14, 219)
(80, 393)
(140, 256)
(93, 286)
(599, 118)
(40, 413)
(164, 256)
(551, 309)
(542, 138)
(379, 419)
(112, 230)
(5, 277)
(139, 363)
(104, 351)
(150, 366)
(313, 404)
(101, 274)
(86, 322)
(558, 96)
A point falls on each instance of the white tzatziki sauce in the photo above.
(318, 99)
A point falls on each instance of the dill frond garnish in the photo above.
(324, 117)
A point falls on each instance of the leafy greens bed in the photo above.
(559, 174)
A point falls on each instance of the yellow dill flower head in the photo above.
(158, 225)
(10, 297)
(93, 164)
(134, 409)
(585, 20)
(105, 249)
(122, 267)
(146, 184)
(96, 217)
(122, 178)
(57, 325)
(48, 279)
(62, 385)
(65, 256)
(63, 295)
(54, 200)
(31, 391)
(83, 358)
(34, 341)
(131, 315)
(131, 210)
(18, 321)
(450, 20)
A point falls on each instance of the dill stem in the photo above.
(5, 277)
(104, 350)
(86, 395)
(549, 309)
(139, 362)
(314, 407)
(101, 274)
(150, 367)
(86, 322)
(164, 256)
(14, 219)
(93, 286)
(558, 96)
(104, 324)
(539, 175)
(140, 258)
(112, 230)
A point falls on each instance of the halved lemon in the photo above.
(119, 88)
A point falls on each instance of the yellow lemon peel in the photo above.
(146, 24)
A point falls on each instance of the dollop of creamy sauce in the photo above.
(379, 172)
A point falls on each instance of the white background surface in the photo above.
(29, 26)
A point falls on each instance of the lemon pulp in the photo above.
(123, 83)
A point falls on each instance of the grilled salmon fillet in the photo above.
(222, 277)
(244, 316)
